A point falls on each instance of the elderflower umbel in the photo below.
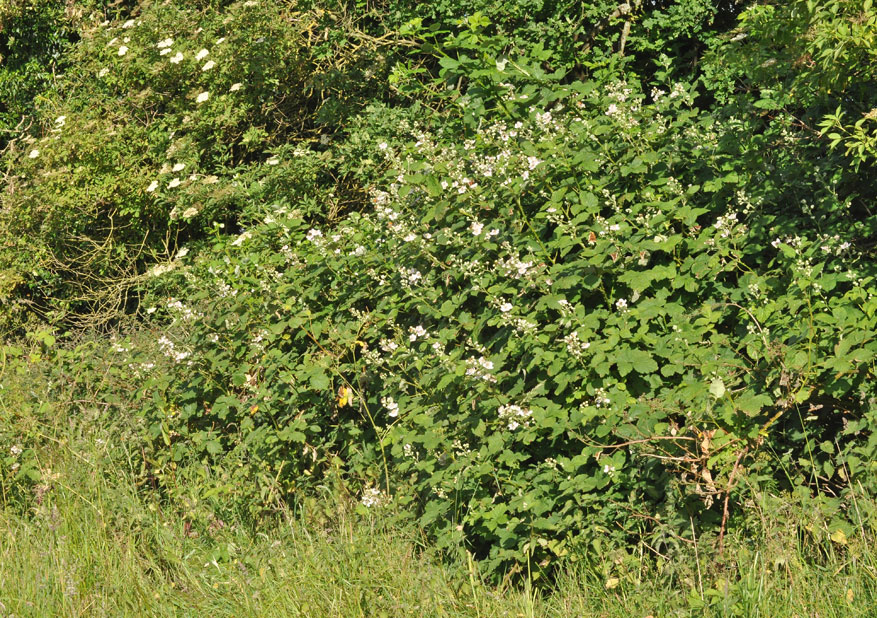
(201, 54)
(177, 58)
(152, 186)
(208, 65)
(235, 87)
(33, 154)
(123, 49)
(202, 97)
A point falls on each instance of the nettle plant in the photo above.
(563, 322)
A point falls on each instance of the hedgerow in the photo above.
(543, 316)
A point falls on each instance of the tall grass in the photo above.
(90, 542)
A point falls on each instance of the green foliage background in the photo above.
(549, 279)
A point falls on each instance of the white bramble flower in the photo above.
(416, 332)
(388, 345)
(574, 345)
(475, 227)
(201, 54)
(177, 58)
(33, 154)
(480, 368)
(314, 234)
(235, 87)
(208, 65)
(237, 242)
(506, 307)
(410, 276)
(202, 97)
(382, 146)
(391, 405)
(371, 497)
(152, 186)
(515, 416)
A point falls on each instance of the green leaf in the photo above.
(717, 388)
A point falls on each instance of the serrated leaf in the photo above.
(717, 388)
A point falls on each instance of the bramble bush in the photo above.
(577, 318)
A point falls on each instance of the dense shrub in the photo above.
(576, 319)
(158, 114)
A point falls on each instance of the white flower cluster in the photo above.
(601, 398)
(728, 225)
(315, 236)
(480, 368)
(388, 345)
(513, 266)
(417, 332)
(410, 277)
(515, 416)
(184, 312)
(169, 350)
(574, 345)
(373, 497)
(392, 407)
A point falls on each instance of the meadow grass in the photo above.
(87, 541)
